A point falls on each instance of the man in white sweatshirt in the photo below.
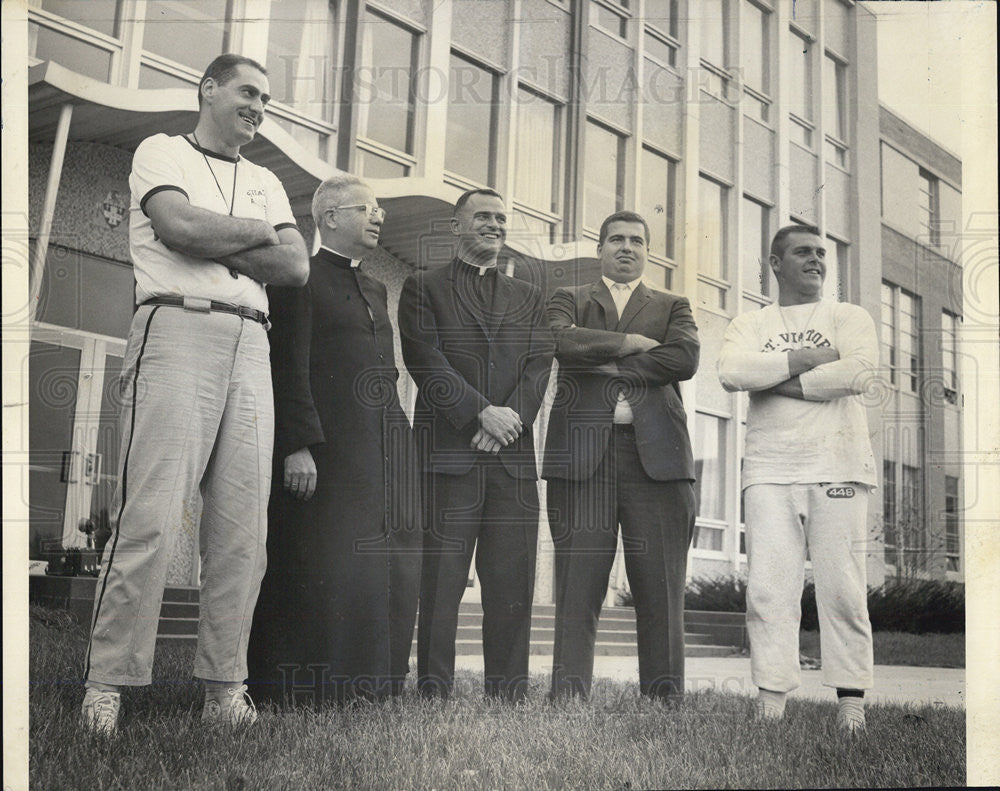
(807, 474)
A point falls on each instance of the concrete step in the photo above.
(475, 647)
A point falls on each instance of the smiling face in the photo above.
(481, 228)
(351, 230)
(235, 108)
(801, 269)
(623, 252)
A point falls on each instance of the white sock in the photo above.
(851, 712)
(770, 704)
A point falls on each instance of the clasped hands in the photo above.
(499, 426)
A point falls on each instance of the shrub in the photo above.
(899, 605)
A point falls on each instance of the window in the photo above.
(800, 89)
(660, 40)
(301, 56)
(658, 201)
(910, 525)
(755, 246)
(900, 341)
(949, 355)
(99, 15)
(835, 110)
(384, 101)
(470, 144)
(604, 176)
(754, 58)
(611, 15)
(72, 52)
(836, 270)
(889, 512)
(929, 208)
(712, 248)
(537, 156)
(710, 459)
(715, 46)
(952, 540)
(188, 32)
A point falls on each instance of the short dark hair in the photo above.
(778, 242)
(621, 216)
(464, 198)
(223, 69)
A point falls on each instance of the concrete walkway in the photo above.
(893, 683)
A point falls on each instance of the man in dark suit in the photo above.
(336, 611)
(479, 348)
(618, 451)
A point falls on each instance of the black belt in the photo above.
(206, 306)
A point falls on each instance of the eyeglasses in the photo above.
(375, 213)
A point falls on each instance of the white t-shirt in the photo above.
(165, 162)
(823, 437)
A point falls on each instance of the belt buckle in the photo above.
(198, 304)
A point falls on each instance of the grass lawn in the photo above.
(621, 742)
(902, 648)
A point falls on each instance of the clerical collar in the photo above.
(483, 269)
(355, 262)
(612, 283)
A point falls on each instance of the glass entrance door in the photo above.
(72, 433)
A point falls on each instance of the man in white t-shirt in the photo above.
(807, 474)
(207, 231)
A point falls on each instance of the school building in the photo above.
(718, 120)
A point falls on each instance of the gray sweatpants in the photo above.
(781, 520)
(197, 419)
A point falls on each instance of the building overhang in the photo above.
(417, 230)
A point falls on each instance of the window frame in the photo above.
(453, 177)
(554, 214)
(620, 175)
(722, 282)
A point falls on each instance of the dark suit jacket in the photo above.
(462, 363)
(588, 333)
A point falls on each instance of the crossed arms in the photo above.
(812, 374)
(633, 357)
(251, 247)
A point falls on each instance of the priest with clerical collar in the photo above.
(338, 603)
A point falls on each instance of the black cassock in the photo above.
(337, 606)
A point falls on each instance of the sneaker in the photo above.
(767, 711)
(235, 708)
(769, 706)
(851, 715)
(100, 711)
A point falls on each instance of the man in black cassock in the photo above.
(337, 607)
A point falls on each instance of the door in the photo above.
(72, 433)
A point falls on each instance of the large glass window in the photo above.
(604, 176)
(755, 53)
(710, 460)
(302, 63)
(537, 155)
(889, 536)
(611, 15)
(658, 201)
(536, 150)
(952, 540)
(99, 15)
(835, 110)
(189, 32)
(714, 16)
(660, 40)
(949, 355)
(712, 248)
(45, 43)
(754, 245)
(470, 145)
(385, 83)
(928, 208)
(836, 270)
(800, 88)
(900, 339)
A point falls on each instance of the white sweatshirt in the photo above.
(822, 438)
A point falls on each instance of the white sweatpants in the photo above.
(781, 521)
(197, 425)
